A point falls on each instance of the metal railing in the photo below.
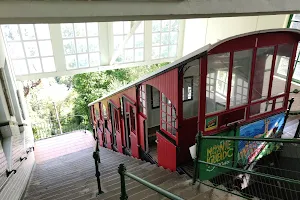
(122, 171)
(267, 168)
(96, 156)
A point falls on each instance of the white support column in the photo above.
(148, 40)
(104, 43)
(6, 143)
(180, 38)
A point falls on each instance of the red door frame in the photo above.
(244, 43)
(116, 125)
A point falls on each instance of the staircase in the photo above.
(71, 177)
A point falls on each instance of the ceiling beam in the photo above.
(122, 45)
(83, 11)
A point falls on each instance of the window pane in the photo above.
(11, 32)
(127, 27)
(295, 25)
(31, 49)
(217, 64)
(172, 51)
(34, 65)
(129, 55)
(92, 29)
(155, 39)
(296, 74)
(174, 25)
(117, 28)
(282, 65)
(71, 62)
(94, 59)
(93, 44)
(242, 61)
(81, 45)
(139, 55)
(140, 28)
(16, 50)
(165, 26)
(45, 48)
(83, 60)
(296, 17)
(279, 103)
(164, 52)
(117, 41)
(129, 43)
(173, 37)
(69, 46)
(155, 52)
(164, 39)
(48, 64)
(42, 31)
(27, 31)
(67, 30)
(79, 29)
(138, 40)
(262, 72)
(156, 26)
(20, 67)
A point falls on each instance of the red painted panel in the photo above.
(131, 109)
(141, 130)
(119, 134)
(166, 153)
(100, 136)
(108, 139)
(232, 116)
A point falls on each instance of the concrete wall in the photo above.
(199, 32)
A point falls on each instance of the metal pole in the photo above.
(297, 134)
(57, 117)
(122, 170)
(97, 160)
(288, 111)
(198, 146)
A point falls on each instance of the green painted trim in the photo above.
(153, 187)
(253, 173)
(290, 20)
(252, 139)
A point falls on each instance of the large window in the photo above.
(155, 96)
(164, 38)
(81, 45)
(142, 97)
(168, 115)
(29, 48)
(134, 48)
(187, 90)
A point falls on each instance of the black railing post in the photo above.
(288, 111)
(96, 157)
(297, 134)
(122, 170)
(198, 145)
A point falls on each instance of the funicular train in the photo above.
(232, 83)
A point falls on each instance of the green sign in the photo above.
(220, 152)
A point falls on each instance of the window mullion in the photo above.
(57, 46)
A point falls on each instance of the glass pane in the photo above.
(27, 31)
(129, 43)
(172, 51)
(174, 25)
(11, 32)
(262, 72)
(117, 28)
(120, 58)
(67, 30)
(34, 65)
(173, 37)
(81, 45)
(46, 48)
(164, 39)
(92, 29)
(282, 65)
(127, 27)
(140, 28)
(242, 61)
(71, 62)
(139, 55)
(155, 52)
(155, 39)
(296, 17)
(42, 31)
(69, 46)
(156, 26)
(16, 50)
(83, 60)
(164, 52)
(79, 29)
(295, 25)
(48, 64)
(129, 55)
(93, 44)
(217, 64)
(165, 26)
(94, 59)
(296, 74)
(279, 103)
(138, 40)
(260, 108)
(31, 49)
(117, 41)
(20, 67)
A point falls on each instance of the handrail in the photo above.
(123, 173)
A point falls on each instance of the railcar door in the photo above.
(166, 152)
(117, 129)
(132, 128)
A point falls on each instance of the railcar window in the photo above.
(168, 114)
(132, 119)
(116, 119)
(283, 59)
(142, 94)
(262, 73)
(104, 111)
(187, 90)
(154, 98)
(217, 77)
(240, 77)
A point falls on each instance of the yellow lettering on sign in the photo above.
(219, 152)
